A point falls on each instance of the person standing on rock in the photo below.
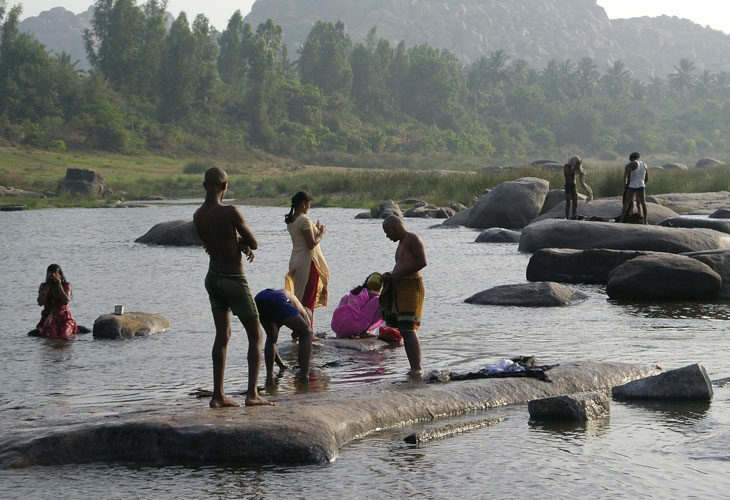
(406, 287)
(225, 236)
(638, 176)
(574, 168)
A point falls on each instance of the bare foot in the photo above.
(415, 374)
(222, 402)
(258, 401)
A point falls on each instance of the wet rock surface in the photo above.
(498, 235)
(303, 429)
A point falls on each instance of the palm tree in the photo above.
(617, 80)
(684, 78)
(586, 77)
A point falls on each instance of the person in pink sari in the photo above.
(359, 311)
(54, 294)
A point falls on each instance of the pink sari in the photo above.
(356, 314)
(56, 320)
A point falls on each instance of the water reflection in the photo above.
(677, 310)
(571, 431)
(675, 414)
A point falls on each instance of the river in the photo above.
(643, 451)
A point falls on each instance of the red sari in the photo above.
(56, 320)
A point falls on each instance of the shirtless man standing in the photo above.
(410, 258)
(225, 235)
(574, 168)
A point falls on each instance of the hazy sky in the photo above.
(715, 13)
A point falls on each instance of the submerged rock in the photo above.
(173, 233)
(543, 294)
(498, 235)
(129, 325)
(580, 407)
(688, 383)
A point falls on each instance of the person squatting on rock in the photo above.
(277, 308)
(570, 170)
(636, 175)
(225, 237)
(308, 273)
(403, 291)
(359, 311)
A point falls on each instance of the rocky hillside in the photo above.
(534, 30)
(61, 30)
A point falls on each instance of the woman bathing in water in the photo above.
(54, 294)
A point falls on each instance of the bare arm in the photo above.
(303, 312)
(415, 258)
(247, 238)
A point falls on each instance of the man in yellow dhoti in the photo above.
(407, 285)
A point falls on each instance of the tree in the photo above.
(324, 59)
(231, 59)
(617, 81)
(177, 73)
(586, 77)
(684, 78)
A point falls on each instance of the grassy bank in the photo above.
(273, 180)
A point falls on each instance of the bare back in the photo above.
(569, 174)
(218, 227)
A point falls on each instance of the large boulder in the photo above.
(565, 265)
(81, 181)
(688, 383)
(718, 225)
(18, 193)
(707, 162)
(663, 277)
(719, 261)
(511, 204)
(607, 209)
(128, 325)
(561, 233)
(498, 235)
(578, 407)
(388, 208)
(544, 294)
(555, 197)
(675, 166)
(172, 233)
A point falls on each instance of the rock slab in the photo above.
(688, 383)
(566, 265)
(580, 407)
(561, 233)
(498, 235)
(128, 325)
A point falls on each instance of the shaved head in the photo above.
(215, 176)
(393, 221)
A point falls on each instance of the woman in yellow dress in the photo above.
(308, 274)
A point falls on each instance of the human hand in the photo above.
(321, 228)
(247, 252)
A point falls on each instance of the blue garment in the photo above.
(274, 306)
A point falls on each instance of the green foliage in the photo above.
(197, 166)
